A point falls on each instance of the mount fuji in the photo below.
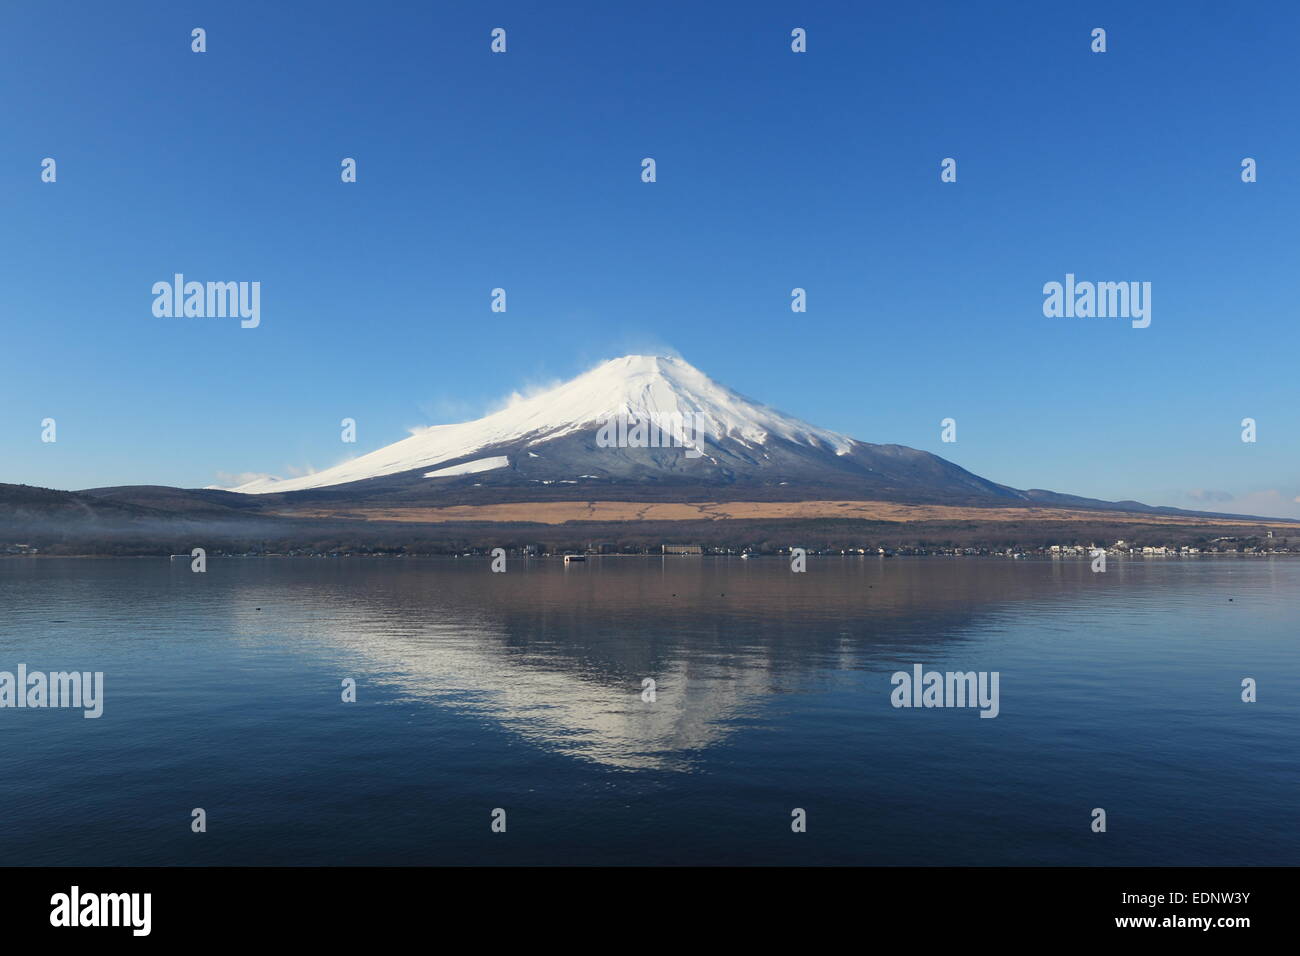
(545, 469)
(551, 445)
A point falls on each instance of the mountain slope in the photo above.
(557, 444)
(640, 386)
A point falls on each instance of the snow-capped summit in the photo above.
(657, 387)
(556, 444)
(639, 387)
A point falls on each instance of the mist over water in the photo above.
(523, 691)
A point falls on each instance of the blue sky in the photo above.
(775, 170)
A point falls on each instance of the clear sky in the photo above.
(775, 170)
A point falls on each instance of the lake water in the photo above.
(522, 691)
